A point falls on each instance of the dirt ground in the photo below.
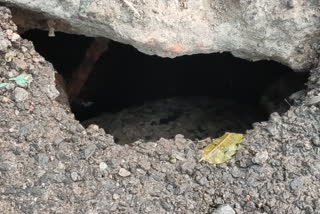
(193, 117)
(49, 163)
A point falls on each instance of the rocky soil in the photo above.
(49, 163)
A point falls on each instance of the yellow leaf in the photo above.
(221, 149)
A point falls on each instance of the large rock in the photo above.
(286, 31)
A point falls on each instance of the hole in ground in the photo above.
(135, 96)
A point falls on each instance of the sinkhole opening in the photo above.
(134, 96)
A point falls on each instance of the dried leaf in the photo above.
(221, 149)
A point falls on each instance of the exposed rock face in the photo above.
(286, 31)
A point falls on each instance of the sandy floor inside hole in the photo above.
(194, 117)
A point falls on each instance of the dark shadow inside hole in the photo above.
(136, 96)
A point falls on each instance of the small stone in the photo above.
(260, 158)
(124, 173)
(224, 209)
(115, 196)
(12, 73)
(38, 59)
(20, 64)
(93, 127)
(297, 184)
(24, 49)
(52, 92)
(297, 95)
(308, 145)
(9, 56)
(15, 37)
(5, 99)
(190, 206)
(75, 176)
(315, 140)
(43, 159)
(145, 164)
(201, 180)
(313, 100)
(89, 150)
(9, 32)
(275, 117)
(103, 166)
(235, 172)
(4, 43)
(166, 205)
(180, 138)
(173, 160)
(20, 94)
(272, 129)
(291, 4)
(4, 167)
(179, 156)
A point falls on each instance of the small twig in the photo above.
(287, 102)
(129, 4)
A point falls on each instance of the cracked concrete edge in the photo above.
(284, 31)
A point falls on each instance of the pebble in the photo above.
(20, 64)
(24, 49)
(297, 184)
(103, 166)
(115, 196)
(297, 95)
(224, 209)
(9, 32)
(15, 37)
(20, 94)
(272, 129)
(4, 167)
(75, 176)
(235, 172)
(124, 173)
(4, 44)
(12, 129)
(261, 157)
(179, 138)
(93, 127)
(89, 150)
(173, 160)
(9, 56)
(145, 164)
(313, 100)
(12, 73)
(43, 159)
(5, 99)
